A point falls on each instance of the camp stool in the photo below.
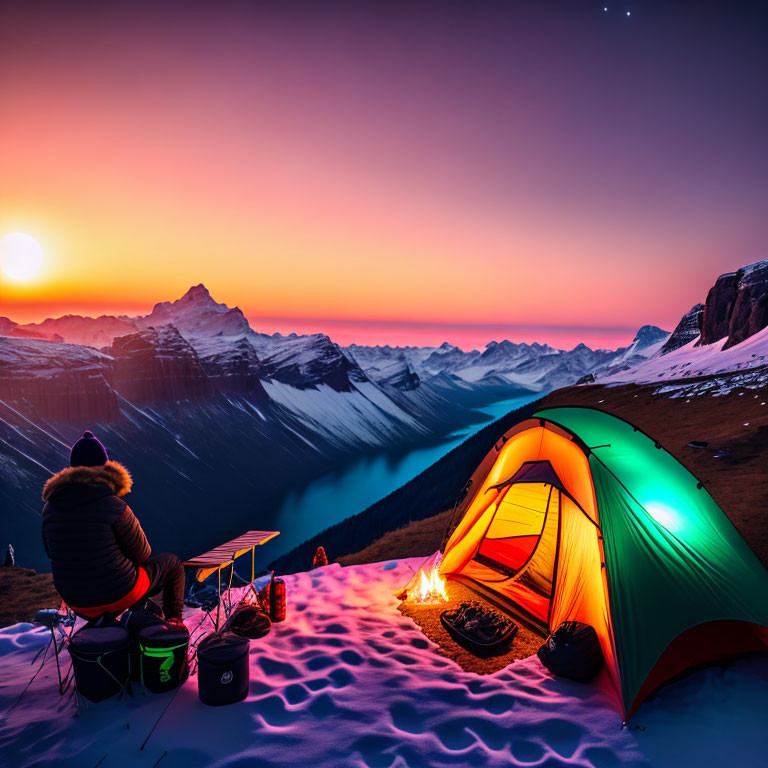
(225, 555)
(101, 661)
(162, 656)
(54, 620)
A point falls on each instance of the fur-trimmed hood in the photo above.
(114, 474)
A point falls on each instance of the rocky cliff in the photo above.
(56, 382)
(233, 366)
(686, 330)
(736, 305)
(158, 365)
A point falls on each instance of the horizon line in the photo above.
(403, 323)
(368, 331)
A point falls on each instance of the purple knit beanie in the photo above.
(88, 452)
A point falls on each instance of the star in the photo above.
(629, 13)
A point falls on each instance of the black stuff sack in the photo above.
(572, 651)
(223, 674)
(249, 621)
(162, 653)
(101, 661)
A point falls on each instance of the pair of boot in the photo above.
(173, 622)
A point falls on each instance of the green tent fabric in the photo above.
(673, 559)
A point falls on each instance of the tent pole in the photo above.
(218, 604)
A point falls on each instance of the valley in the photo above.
(223, 426)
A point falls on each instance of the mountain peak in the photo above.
(197, 294)
(196, 313)
(650, 334)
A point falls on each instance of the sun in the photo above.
(21, 256)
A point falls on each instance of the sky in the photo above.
(402, 172)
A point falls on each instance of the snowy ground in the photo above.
(348, 681)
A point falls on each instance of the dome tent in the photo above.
(578, 515)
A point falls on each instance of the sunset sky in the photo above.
(403, 171)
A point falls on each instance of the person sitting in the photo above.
(101, 560)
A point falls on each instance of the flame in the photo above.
(431, 588)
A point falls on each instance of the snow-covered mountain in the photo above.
(239, 358)
(76, 329)
(195, 347)
(716, 347)
(502, 364)
(196, 314)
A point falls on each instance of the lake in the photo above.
(338, 495)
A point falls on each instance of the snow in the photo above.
(348, 682)
(44, 359)
(390, 370)
(380, 400)
(347, 417)
(691, 361)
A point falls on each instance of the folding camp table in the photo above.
(226, 554)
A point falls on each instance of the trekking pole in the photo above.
(459, 498)
(56, 655)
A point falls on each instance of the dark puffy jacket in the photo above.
(93, 539)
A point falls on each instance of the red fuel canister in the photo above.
(274, 599)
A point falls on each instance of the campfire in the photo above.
(431, 588)
(426, 585)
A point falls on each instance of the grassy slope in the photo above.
(23, 593)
